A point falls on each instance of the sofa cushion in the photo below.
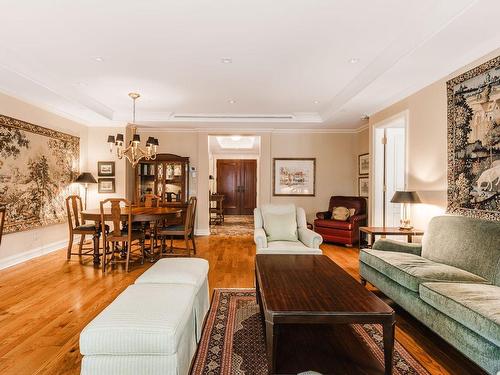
(476, 306)
(340, 213)
(410, 270)
(345, 225)
(286, 247)
(144, 319)
(281, 226)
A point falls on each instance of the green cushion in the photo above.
(467, 243)
(281, 227)
(410, 270)
(476, 306)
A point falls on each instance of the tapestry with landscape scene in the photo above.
(37, 167)
(474, 142)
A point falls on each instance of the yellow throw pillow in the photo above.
(342, 213)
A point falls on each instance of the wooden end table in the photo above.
(308, 304)
(389, 231)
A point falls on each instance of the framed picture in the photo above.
(363, 186)
(474, 142)
(363, 164)
(294, 177)
(106, 185)
(106, 168)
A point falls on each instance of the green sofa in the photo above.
(450, 282)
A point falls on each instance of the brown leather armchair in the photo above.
(344, 232)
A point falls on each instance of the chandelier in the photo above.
(133, 152)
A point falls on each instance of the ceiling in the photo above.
(294, 64)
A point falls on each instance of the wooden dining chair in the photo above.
(3, 211)
(123, 232)
(78, 226)
(185, 230)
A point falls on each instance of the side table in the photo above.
(389, 231)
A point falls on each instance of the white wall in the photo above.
(17, 247)
(427, 143)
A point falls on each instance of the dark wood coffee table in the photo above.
(308, 303)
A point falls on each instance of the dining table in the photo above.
(139, 214)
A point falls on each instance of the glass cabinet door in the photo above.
(174, 187)
(146, 179)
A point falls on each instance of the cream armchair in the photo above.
(277, 218)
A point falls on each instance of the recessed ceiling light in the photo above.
(226, 60)
(354, 60)
(98, 59)
(231, 101)
(316, 102)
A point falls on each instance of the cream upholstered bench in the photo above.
(153, 326)
(148, 329)
(189, 271)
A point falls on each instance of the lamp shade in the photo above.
(137, 138)
(86, 178)
(111, 139)
(150, 141)
(119, 138)
(405, 197)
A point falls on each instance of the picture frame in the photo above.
(294, 177)
(363, 187)
(364, 164)
(106, 168)
(106, 185)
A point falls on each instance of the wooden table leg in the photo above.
(389, 344)
(97, 259)
(372, 240)
(271, 341)
(410, 238)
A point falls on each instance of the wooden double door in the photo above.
(237, 180)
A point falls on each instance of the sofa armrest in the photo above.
(397, 246)
(358, 219)
(325, 215)
(260, 238)
(310, 238)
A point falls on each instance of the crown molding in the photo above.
(244, 131)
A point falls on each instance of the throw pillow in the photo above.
(341, 213)
(281, 227)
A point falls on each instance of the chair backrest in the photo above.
(74, 209)
(260, 213)
(116, 216)
(466, 243)
(358, 203)
(151, 200)
(3, 210)
(190, 214)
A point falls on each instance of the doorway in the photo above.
(389, 172)
(237, 181)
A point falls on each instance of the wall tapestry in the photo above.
(294, 176)
(37, 167)
(474, 142)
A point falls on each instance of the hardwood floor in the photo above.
(46, 302)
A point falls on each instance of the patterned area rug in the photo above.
(233, 339)
(234, 225)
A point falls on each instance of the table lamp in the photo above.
(86, 178)
(406, 198)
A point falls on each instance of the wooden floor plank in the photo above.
(46, 302)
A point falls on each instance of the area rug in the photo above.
(233, 339)
(234, 225)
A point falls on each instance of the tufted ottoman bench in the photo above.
(186, 271)
(148, 329)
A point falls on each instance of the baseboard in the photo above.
(34, 253)
(202, 232)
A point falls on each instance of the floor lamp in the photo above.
(86, 178)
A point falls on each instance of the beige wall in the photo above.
(427, 143)
(17, 247)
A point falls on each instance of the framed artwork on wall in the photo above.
(294, 177)
(474, 142)
(106, 185)
(363, 186)
(106, 168)
(363, 164)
